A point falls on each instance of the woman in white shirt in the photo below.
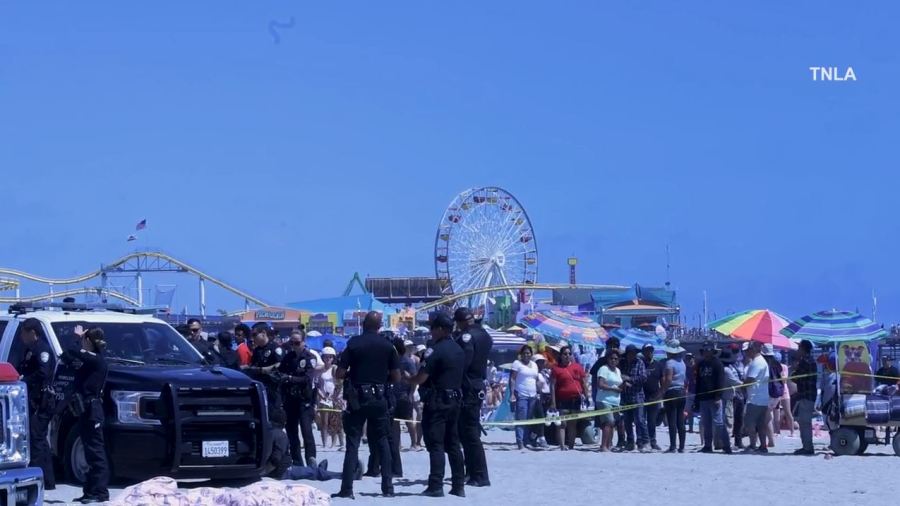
(609, 391)
(325, 391)
(523, 385)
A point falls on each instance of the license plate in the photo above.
(215, 449)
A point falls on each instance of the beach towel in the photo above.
(854, 405)
(878, 409)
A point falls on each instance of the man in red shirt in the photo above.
(568, 383)
(244, 349)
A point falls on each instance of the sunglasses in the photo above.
(195, 330)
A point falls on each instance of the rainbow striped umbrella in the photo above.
(834, 327)
(760, 325)
(558, 324)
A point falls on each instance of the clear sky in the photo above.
(285, 167)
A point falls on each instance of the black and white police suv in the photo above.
(167, 411)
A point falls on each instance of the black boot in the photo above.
(344, 494)
(433, 492)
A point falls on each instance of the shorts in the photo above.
(569, 406)
(606, 419)
(404, 409)
(755, 419)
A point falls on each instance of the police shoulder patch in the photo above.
(278, 351)
(45, 357)
(303, 363)
(312, 362)
(466, 337)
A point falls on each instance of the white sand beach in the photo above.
(584, 477)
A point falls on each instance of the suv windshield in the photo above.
(136, 343)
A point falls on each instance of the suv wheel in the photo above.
(74, 463)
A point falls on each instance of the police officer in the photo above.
(37, 373)
(195, 337)
(297, 369)
(90, 377)
(477, 344)
(368, 364)
(263, 363)
(441, 377)
(394, 393)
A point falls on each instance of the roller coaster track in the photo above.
(128, 263)
(8, 284)
(69, 293)
(500, 288)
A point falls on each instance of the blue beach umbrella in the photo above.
(639, 338)
(834, 326)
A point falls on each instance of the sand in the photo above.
(582, 476)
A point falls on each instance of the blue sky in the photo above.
(285, 167)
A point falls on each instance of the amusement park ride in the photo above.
(134, 264)
(485, 240)
(485, 249)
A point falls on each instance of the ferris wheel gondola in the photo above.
(485, 239)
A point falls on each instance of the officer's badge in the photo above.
(428, 352)
(466, 337)
(303, 363)
(45, 357)
(267, 353)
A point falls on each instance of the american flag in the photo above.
(141, 225)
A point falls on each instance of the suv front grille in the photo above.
(216, 415)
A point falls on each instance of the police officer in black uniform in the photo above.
(297, 370)
(394, 392)
(477, 344)
(367, 364)
(201, 345)
(441, 377)
(263, 363)
(90, 377)
(37, 373)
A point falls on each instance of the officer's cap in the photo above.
(462, 314)
(441, 320)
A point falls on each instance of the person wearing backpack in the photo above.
(776, 391)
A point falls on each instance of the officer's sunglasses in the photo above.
(195, 330)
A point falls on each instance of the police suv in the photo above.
(168, 412)
(20, 485)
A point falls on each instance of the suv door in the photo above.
(17, 348)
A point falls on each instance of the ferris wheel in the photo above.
(485, 239)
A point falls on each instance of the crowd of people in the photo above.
(744, 396)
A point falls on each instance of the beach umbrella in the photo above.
(313, 333)
(834, 327)
(639, 338)
(760, 325)
(562, 325)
